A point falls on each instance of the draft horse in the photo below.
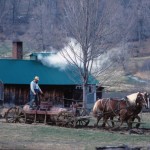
(127, 109)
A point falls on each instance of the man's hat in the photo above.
(36, 78)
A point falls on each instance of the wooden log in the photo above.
(123, 147)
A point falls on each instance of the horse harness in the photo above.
(104, 105)
(115, 111)
(117, 108)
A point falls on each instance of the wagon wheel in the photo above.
(65, 119)
(15, 115)
(83, 122)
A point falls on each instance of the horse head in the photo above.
(143, 99)
(146, 97)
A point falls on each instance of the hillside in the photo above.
(135, 76)
(42, 23)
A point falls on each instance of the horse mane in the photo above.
(132, 98)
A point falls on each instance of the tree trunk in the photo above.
(84, 95)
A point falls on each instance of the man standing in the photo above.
(34, 91)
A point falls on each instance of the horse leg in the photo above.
(122, 116)
(139, 120)
(98, 119)
(121, 119)
(129, 122)
(121, 123)
(112, 121)
(104, 121)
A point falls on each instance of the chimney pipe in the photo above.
(17, 50)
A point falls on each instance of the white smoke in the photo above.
(62, 58)
(72, 53)
(54, 60)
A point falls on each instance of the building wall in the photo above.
(58, 95)
(16, 94)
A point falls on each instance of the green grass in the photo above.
(25, 136)
(59, 137)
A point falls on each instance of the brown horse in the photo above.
(127, 109)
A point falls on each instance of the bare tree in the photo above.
(44, 33)
(92, 23)
(102, 31)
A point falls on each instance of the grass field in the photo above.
(39, 136)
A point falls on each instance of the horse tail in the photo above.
(95, 109)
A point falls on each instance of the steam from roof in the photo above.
(64, 57)
(72, 54)
(54, 60)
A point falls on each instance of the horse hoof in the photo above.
(95, 125)
(103, 125)
(115, 128)
(137, 125)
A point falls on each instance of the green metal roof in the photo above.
(23, 71)
(44, 54)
